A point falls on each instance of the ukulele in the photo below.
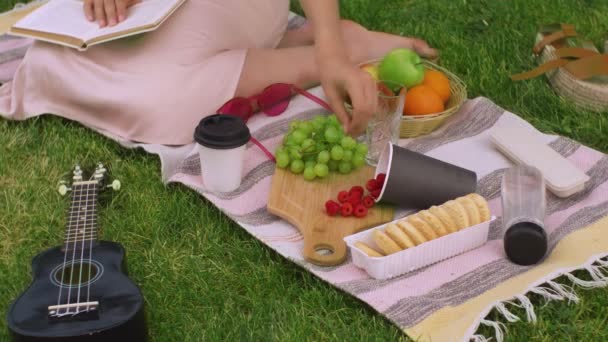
(80, 290)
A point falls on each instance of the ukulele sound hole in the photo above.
(77, 274)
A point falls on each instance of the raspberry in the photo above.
(354, 199)
(375, 193)
(332, 208)
(371, 185)
(360, 210)
(347, 209)
(357, 194)
(368, 201)
(357, 189)
(380, 178)
(343, 196)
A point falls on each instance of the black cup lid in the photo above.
(525, 243)
(222, 132)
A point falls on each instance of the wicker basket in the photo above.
(414, 126)
(588, 95)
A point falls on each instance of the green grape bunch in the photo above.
(318, 146)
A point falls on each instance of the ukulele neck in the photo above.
(81, 227)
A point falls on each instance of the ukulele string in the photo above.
(74, 255)
(84, 233)
(65, 253)
(94, 218)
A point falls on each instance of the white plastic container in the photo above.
(411, 259)
(520, 145)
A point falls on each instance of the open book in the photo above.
(63, 22)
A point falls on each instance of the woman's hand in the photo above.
(339, 76)
(341, 79)
(107, 12)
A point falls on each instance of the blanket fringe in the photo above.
(549, 290)
(548, 293)
(527, 305)
(564, 290)
(508, 315)
(480, 338)
(498, 329)
(599, 279)
(604, 263)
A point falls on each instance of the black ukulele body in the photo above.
(119, 315)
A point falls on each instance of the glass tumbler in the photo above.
(384, 125)
(524, 205)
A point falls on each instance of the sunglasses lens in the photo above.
(238, 107)
(275, 99)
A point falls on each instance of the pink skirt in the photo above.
(152, 88)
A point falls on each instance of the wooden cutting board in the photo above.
(302, 203)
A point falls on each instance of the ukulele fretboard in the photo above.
(81, 226)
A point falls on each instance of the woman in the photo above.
(155, 88)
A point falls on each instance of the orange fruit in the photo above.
(422, 100)
(439, 82)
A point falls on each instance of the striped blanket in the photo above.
(449, 300)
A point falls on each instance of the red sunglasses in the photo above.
(273, 101)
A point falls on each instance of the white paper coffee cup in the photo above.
(221, 143)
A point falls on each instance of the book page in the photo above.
(66, 17)
(146, 13)
(63, 17)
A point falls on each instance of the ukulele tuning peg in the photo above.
(63, 189)
(115, 185)
(100, 172)
(100, 168)
(77, 173)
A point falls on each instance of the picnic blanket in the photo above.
(447, 301)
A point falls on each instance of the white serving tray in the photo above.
(411, 259)
(522, 146)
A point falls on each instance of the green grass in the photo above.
(203, 277)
